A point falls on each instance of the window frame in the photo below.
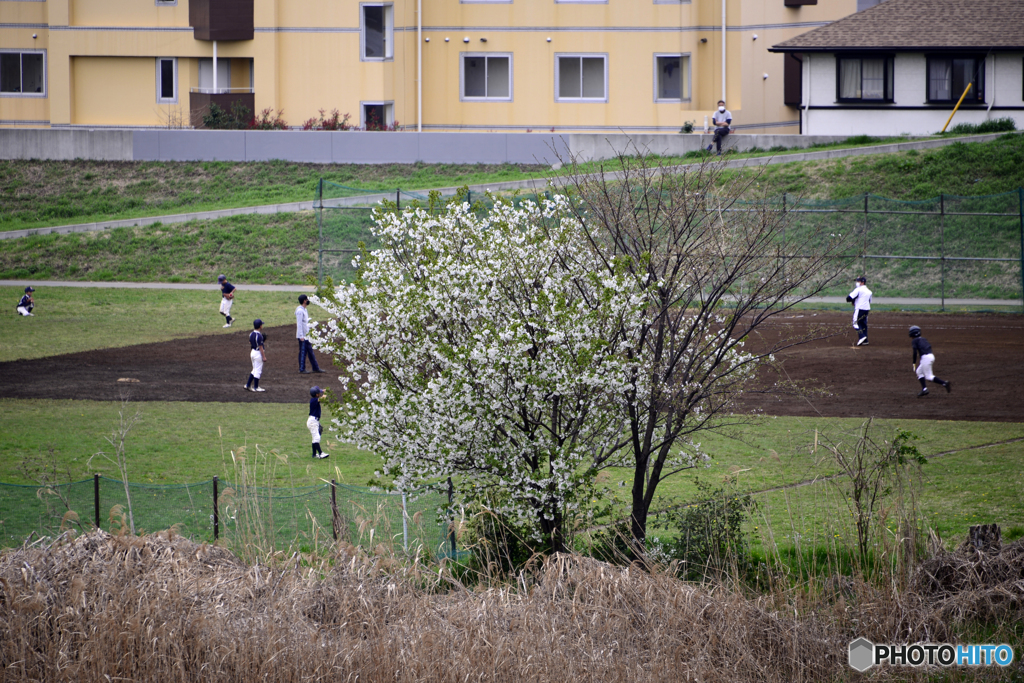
(581, 56)
(978, 96)
(165, 3)
(389, 31)
(889, 94)
(174, 78)
(685, 87)
(389, 111)
(22, 93)
(463, 56)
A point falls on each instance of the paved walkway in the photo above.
(890, 301)
(532, 184)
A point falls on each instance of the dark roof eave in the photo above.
(933, 48)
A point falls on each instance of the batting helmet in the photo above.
(915, 331)
(314, 391)
(221, 278)
(257, 324)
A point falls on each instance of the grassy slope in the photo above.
(280, 248)
(45, 193)
(71, 319)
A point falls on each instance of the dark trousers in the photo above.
(862, 323)
(720, 134)
(306, 349)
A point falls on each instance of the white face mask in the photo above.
(721, 109)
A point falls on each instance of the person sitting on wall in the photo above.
(722, 118)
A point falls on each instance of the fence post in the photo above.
(334, 509)
(319, 205)
(942, 247)
(96, 497)
(451, 528)
(1020, 198)
(398, 200)
(405, 525)
(866, 225)
(216, 511)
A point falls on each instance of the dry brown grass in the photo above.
(162, 608)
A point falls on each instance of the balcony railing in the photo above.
(200, 100)
(222, 91)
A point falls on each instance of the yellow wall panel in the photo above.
(112, 91)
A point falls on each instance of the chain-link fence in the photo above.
(946, 247)
(282, 518)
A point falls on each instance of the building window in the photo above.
(581, 78)
(486, 76)
(671, 78)
(948, 77)
(864, 79)
(167, 80)
(378, 115)
(23, 73)
(166, 3)
(378, 31)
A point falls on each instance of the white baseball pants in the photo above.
(257, 363)
(24, 311)
(225, 305)
(924, 368)
(313, 425)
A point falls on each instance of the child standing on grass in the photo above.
(313, 422)
(257, 355)
(26, 304)
(924, 372)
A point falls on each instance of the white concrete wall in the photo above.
(1003, 88)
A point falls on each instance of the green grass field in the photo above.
(72, 319)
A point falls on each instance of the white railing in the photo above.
(222, 91)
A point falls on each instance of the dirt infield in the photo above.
(983, 356)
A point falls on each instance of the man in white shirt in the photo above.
(301, 332)
(721, 118)
(860, 297)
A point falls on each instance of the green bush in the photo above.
(708, 538)
(218, 119)
(1003, 125)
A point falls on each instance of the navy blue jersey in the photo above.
(314, 407)
(26, 301)
(921, 347)
(256, 340)
(226, 287)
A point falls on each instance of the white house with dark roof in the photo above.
(901, 66)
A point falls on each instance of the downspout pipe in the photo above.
(723, 51)
(419, 66)
(215, 67)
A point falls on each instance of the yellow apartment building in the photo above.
(474, 65)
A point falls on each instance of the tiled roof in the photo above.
(921, 24)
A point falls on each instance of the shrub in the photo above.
(687, 127)
(268, 120)
(336, 121)
(217, 118)
(861, 140)
(709, 536)
(1005, 124)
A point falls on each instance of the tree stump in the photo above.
(985, 538)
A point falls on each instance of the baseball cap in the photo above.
(314, 391)
(257, 323)
(221, 278)
(30, 289)
(862, 279)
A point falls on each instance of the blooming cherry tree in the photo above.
(495, 349)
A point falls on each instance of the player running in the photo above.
(227, 295)
(257, 355)
(924, 372)
(313, 422)
(26, 304)
(860, 297)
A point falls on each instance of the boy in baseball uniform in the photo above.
(26, 304)
(257, 354)
(860, 297)
(923, 350)
(227, 295)
(313, 421)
